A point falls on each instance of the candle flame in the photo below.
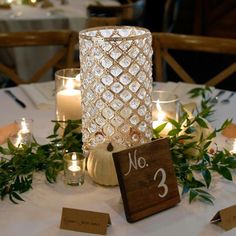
(70, 84)
(159, 118)
(74, 157)
(74, 163)
(161, 115)
(24, 128)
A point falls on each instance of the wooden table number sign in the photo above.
(147, 179)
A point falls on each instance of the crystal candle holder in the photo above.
(116, 76)
(74, 168)
(164, 105)
(68, 94)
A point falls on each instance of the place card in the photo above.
(147, 179)
(85, 221)
(226, 218)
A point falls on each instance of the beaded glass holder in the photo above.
(116, 76)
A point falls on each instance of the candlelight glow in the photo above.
(234, 147)
(18, 141)
(159, 118)
(74, 166)
(70, 84)
(23, 127)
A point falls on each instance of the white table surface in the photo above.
(40, 214)
(22, 18)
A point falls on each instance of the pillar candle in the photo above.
(69, 104)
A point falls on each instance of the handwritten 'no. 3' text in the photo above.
(136, 163)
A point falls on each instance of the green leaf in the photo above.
(201, 122)
(212, 135)
(159, 128)
(218, 157)
(205, 198)
(207, 177)
(231, 161)
(173, 132)
(10, 146)
(225, 173)
(190, 130)
(192, 195)
(4, 151)
(174, 123)
(225, 124)
(207, 144)
(17, 196)
(56, 127)
(12, 199)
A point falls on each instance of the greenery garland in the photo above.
(193, 172)
(16, 173)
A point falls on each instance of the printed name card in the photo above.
(85, 221)
(147, 179)
(226, 218)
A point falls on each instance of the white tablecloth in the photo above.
(22, 18)
(40, 214)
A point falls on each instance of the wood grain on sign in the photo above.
(147, 179)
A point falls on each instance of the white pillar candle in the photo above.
(69, 102)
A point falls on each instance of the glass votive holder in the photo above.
(68, 94)
(25, 132)
(74, 168)
(165, 105)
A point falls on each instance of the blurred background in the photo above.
(215, 18)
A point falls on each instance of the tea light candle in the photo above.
(164, 106)
(68, 99)
(160, 117)
(74, 168)
(24, 135)
(74, 163)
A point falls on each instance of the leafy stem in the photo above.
(191, 143)
(16, 171)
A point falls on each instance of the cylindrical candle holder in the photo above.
(116, 85)
(164, 105)
(74, 168)
(68, 94)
